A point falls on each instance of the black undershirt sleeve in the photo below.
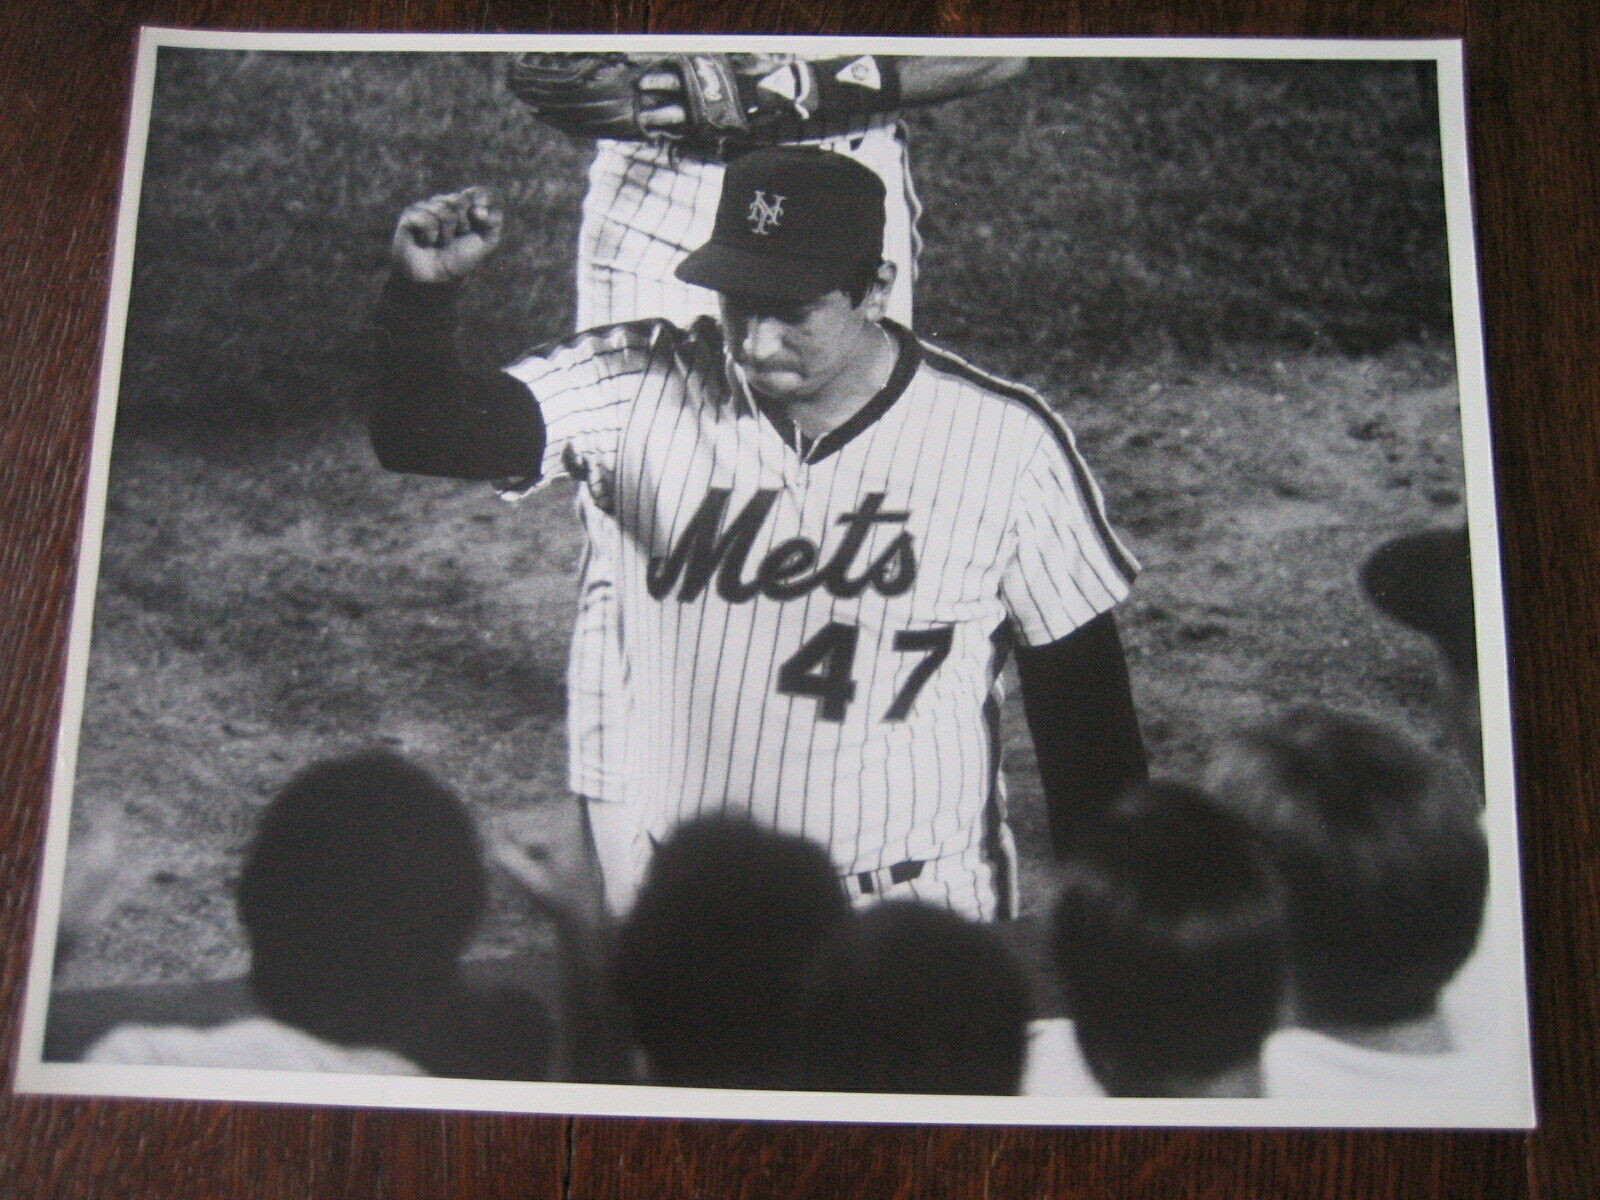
(426, 415)
(1080, 711)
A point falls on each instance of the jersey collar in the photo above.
(909, 357)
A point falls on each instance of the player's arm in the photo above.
(827, 89)
(931, 78)
(427, 414)
(855, 84)
(1068, 574)
(1079, 704)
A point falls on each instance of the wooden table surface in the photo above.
(1533, 96)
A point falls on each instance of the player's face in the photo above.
(795, 352)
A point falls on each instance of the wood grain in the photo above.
(1533, 93)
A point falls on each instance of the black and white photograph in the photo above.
(797, 578)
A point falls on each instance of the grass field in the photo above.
(1229, 277)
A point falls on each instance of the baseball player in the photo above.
(832, 533)
(653, 188)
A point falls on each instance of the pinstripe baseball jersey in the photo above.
(645, 208)
(814, 638)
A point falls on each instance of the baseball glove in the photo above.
(598, 95)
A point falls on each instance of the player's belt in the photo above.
(884, 878)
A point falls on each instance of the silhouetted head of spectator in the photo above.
(1424, 581)
(359, 892)
(912, 998)
(1382, 856)
(710, 958)
(1169, 936)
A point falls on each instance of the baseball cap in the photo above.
(792, 223)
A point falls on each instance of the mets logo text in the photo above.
(765, 212)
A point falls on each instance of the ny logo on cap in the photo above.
(765, 212)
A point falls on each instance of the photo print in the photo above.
(807, 578)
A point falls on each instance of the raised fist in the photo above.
(444, 238)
